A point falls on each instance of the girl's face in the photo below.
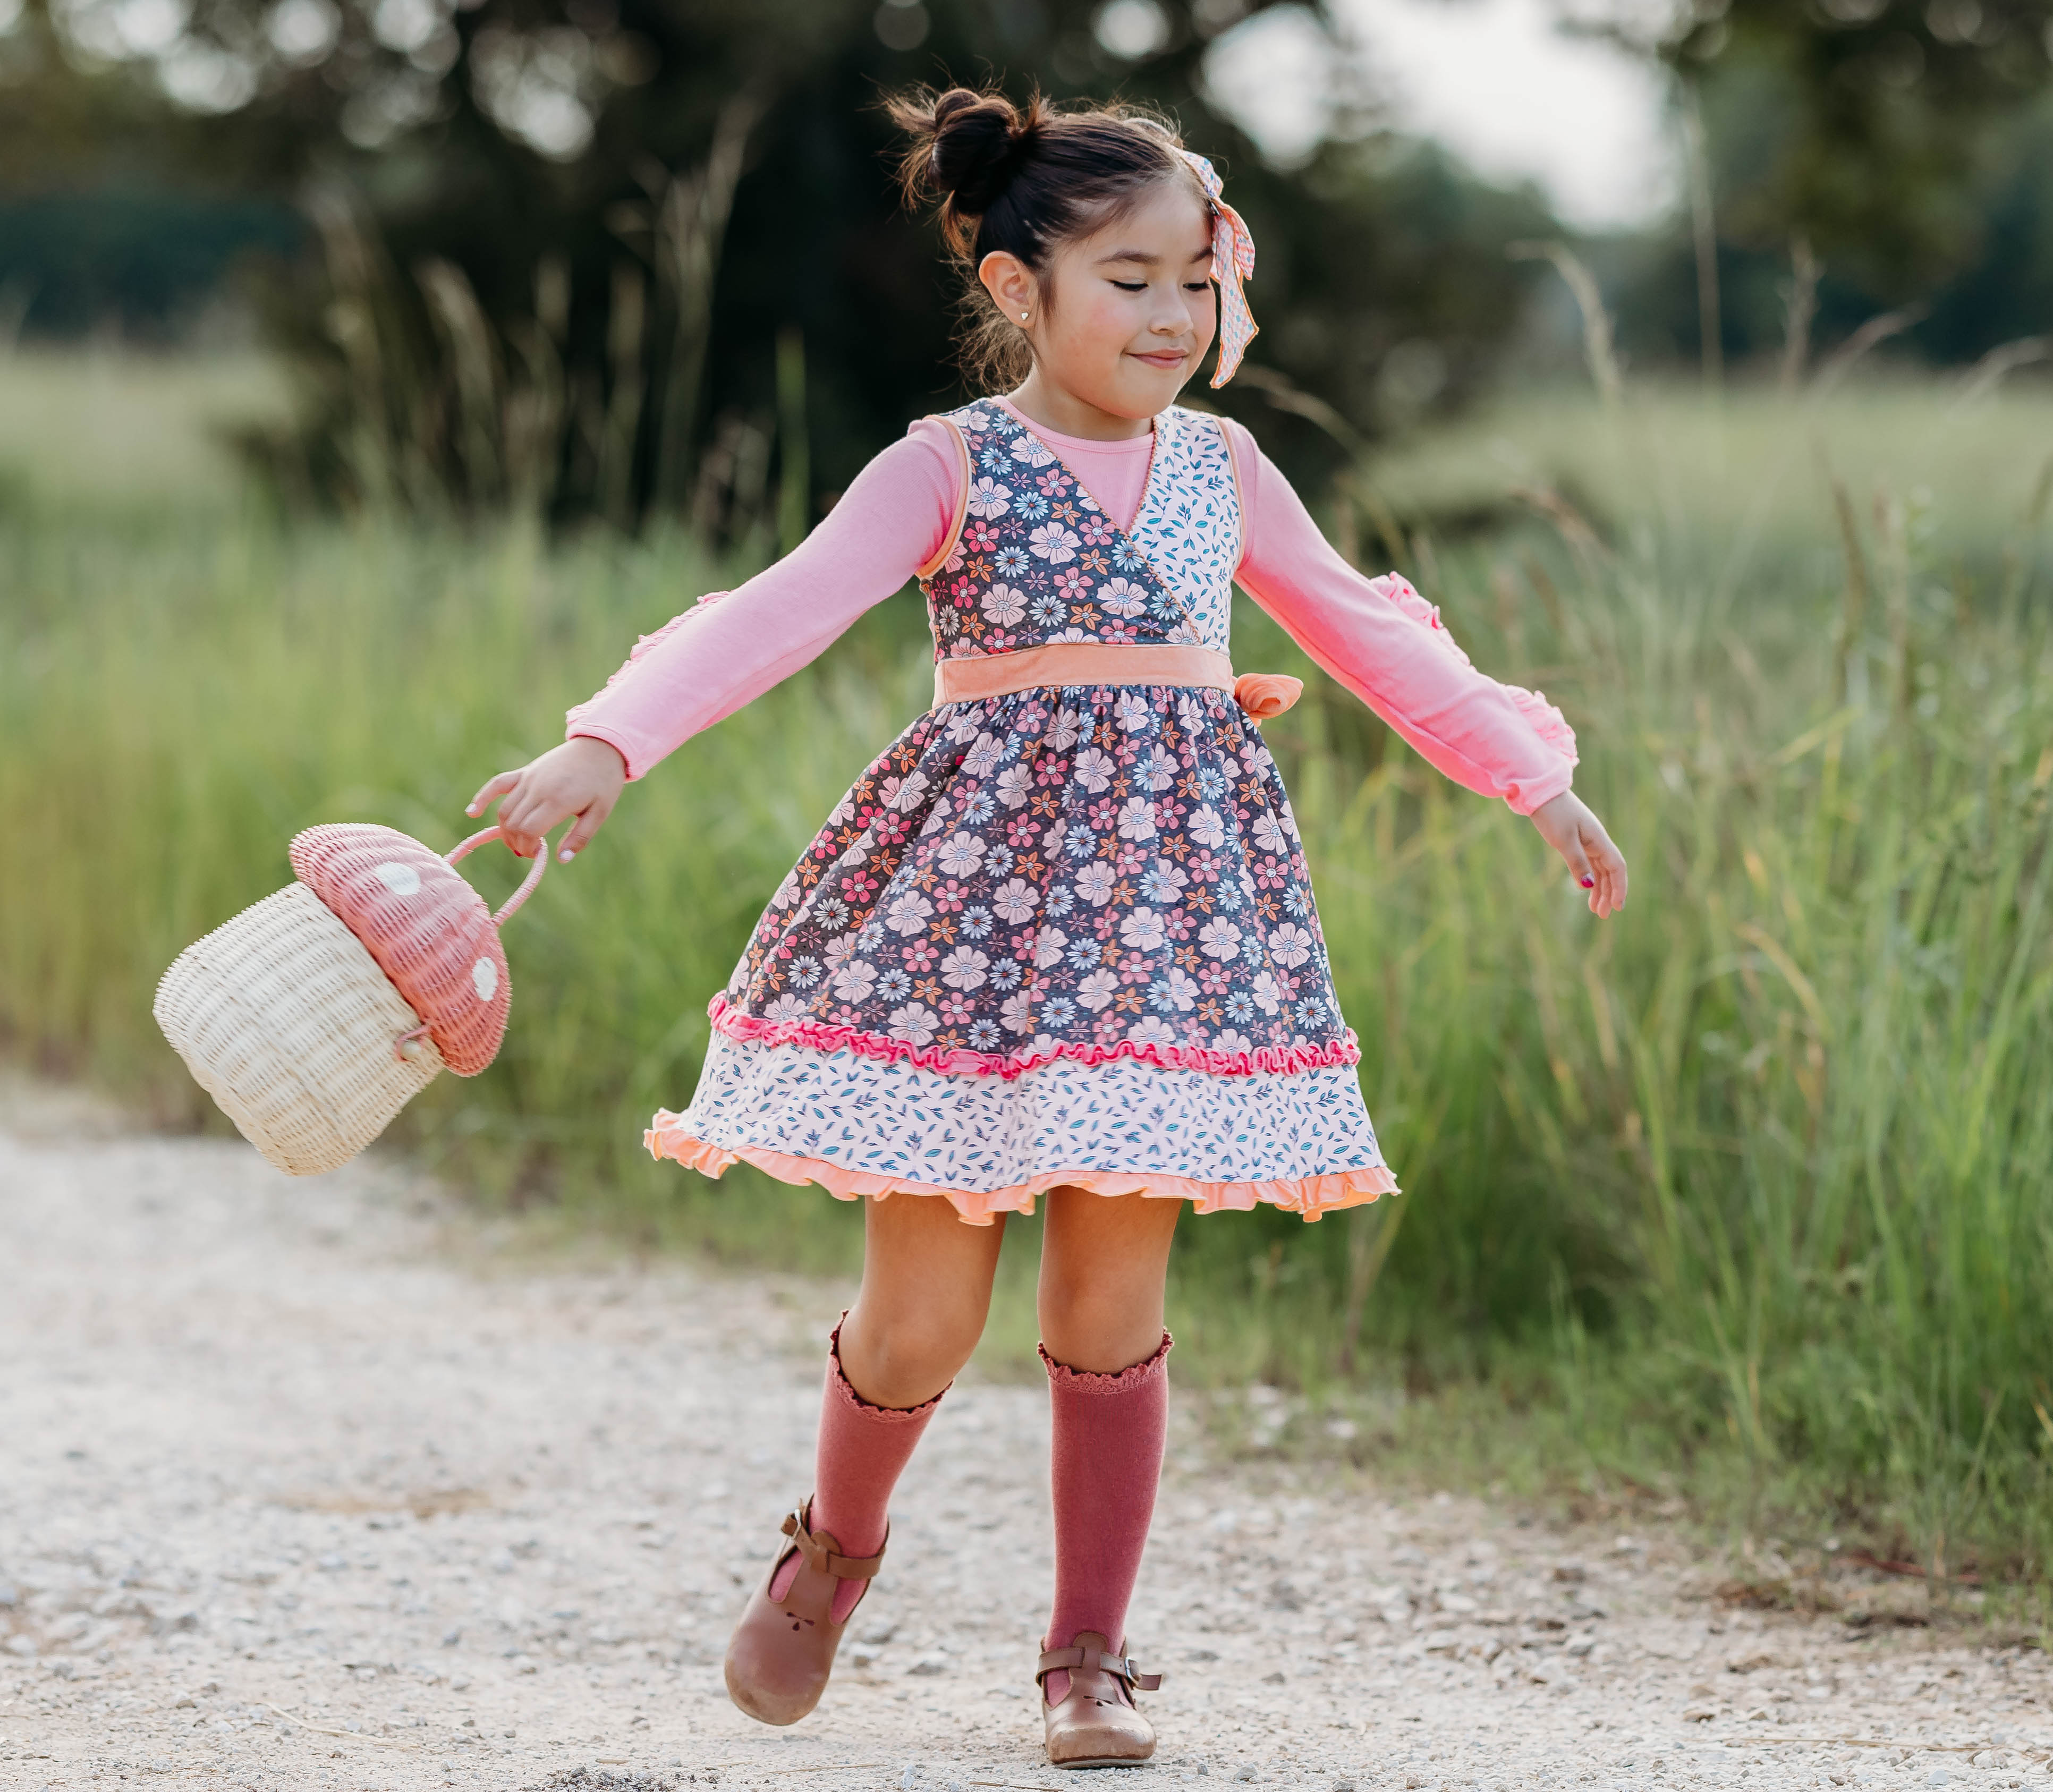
(1133, 313)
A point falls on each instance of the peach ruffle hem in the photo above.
(1309, 1197)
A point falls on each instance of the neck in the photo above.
(1039, 400)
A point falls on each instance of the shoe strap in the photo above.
(822, 1560)
(1120, 1667)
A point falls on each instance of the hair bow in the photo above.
(1233, 261)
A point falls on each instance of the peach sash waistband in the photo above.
(1078, 662)
(1091, 662)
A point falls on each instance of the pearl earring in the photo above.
(1023, 317)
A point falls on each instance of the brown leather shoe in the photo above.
(784, 1650)
(1095, 1725)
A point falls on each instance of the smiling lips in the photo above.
(1164, 356)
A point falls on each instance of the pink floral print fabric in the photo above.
(1088, 872)
(1038, 560)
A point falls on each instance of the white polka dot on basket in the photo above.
(314, 1016)
(428, 930)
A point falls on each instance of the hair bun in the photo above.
(979, 141)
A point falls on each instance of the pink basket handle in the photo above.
(527, 886)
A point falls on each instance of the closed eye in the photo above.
(1131, 285)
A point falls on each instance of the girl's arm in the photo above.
(732, 646)
(1385, 643)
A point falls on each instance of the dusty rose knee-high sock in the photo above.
(862, 1449)
(1110, 1431)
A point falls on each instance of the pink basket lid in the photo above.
(428, 931)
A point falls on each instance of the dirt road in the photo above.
(303, 1486)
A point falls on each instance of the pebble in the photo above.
(336, 1473)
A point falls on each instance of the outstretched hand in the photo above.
(581, 778)
(1568, 825)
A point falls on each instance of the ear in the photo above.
(1011, 283)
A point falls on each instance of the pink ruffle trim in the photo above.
(818, 1036)
(1545, 719)
(1121, 1381)
(644, 646)
(1311, 1197)
(838, 1379)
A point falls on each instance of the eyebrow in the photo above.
(1145, 258)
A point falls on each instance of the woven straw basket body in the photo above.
(314, 1016)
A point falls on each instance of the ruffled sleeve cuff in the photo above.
(595, 719)
(1523, 793)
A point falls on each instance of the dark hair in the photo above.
(1025, 180)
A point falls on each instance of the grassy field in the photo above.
(1745, 1198)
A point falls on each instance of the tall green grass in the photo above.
(1747, 1192)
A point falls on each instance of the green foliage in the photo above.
(1859, 123)
(1982, 279)
(132, 257)
(586, 225)
(1746, 1191)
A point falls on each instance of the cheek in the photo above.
(1104, 320)
(1204, 313)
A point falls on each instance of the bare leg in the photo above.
(926, 1290)
(926, 1285)
(1103, 1262)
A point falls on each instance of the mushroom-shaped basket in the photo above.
(314, 1016)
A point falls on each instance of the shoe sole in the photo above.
(777, 1716)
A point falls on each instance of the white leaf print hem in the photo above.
(860, 1126)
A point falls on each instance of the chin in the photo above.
(1149, 389)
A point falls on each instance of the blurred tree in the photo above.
(565, 237)
(1860, 125)
(91, 233)
(1991, 285)
(1894, 150)
(131, 255)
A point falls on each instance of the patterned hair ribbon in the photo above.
(1233, 261)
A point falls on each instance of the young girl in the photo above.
(1059, 938)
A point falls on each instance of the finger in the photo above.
(1612, 872)
(531, 812)
(1578, 861)
(586, 825)
(521, 816)
(1599, 895)
(493, 787)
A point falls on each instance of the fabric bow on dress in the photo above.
(1233, 261)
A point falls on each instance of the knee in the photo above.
(1073, 1306)
(1100, 1326)
(902, 1359)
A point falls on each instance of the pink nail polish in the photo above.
(1589, 882)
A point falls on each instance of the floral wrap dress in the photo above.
(1061, 936)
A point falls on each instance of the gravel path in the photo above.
(310, 1485)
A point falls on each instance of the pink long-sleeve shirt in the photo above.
(1377, 636)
